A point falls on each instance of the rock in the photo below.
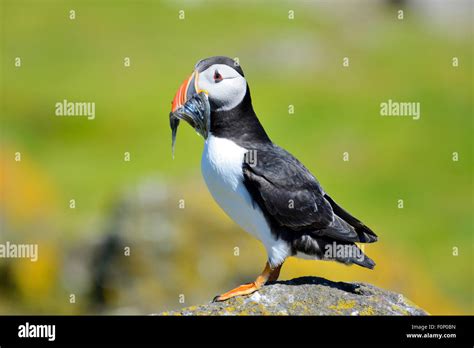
(310, 296)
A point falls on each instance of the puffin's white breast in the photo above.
(221, 167)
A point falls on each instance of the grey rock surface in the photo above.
(310, 296)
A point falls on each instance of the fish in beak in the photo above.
(191, 105)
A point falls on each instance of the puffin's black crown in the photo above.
(203, 64)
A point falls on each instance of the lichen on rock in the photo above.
(310, 296)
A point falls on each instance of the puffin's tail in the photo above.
(346, 253)
(365, 261)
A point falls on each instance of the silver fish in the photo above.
(196, 111)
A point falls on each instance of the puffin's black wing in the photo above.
(291, 196)
(366, 235)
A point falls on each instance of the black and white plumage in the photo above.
(275, 198)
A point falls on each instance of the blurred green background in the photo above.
(145, 235)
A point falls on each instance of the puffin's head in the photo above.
(219, 80)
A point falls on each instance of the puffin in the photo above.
(261, 186)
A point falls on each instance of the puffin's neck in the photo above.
(239, 124)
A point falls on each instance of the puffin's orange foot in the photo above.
(245, 289)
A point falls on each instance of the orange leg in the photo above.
(275, 274)
(268, 274)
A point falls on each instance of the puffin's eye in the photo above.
(217, 77)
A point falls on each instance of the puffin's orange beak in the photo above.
(187, 89)
(190, 104)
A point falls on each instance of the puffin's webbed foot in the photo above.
(268, 274)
